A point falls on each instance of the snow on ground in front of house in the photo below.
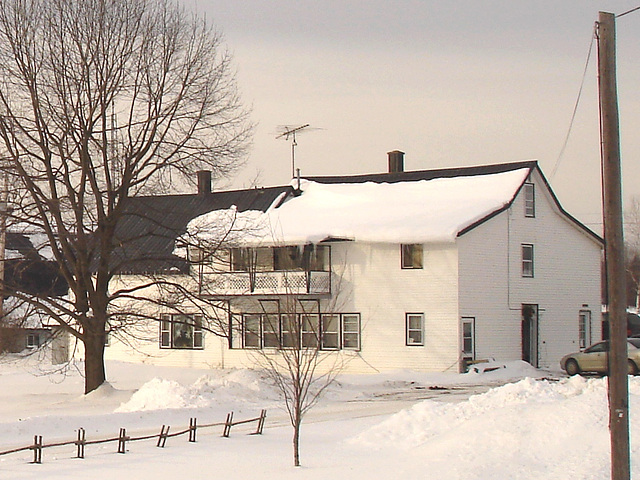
(503, 421)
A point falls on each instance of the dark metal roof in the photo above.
(30, 272)
(20, 243)
(147, 233)
(416, 175)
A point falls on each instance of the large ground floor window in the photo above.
(181, 331)
(327, 331)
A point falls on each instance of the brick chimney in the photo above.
(396, 161)
(204, 182)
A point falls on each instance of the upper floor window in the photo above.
(529, 200)
(527, 260)
(251, 259)
(181, 331)
(411, 254)
(195, 254)
(288, 258)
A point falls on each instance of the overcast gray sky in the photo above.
(449, 83)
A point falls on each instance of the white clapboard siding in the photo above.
(566, 280)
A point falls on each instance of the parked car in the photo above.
(595, 358)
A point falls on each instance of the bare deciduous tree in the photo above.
(297, 335)
(102, 100)
(300, 369)
(632, 241)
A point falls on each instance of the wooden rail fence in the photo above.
(81, 441)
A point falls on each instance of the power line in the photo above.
(627, 12)
(575, 107)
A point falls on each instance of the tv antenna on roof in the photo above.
(289, 132)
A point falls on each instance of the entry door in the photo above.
(530, 334)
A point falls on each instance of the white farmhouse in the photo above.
(425, 270)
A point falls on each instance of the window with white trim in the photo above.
(251, 333)
(181, 332)
(290, 331)
(271, 330)
(351, 331)
(310, 330)
(468, 337)
(527, 260)
(330, 332)
(584, 328)
(411, 254)
(415, 329)
(529, 200)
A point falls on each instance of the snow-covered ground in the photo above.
(511, 423)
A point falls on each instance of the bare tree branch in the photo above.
(102, 100)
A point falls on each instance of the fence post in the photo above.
(227, 425)
(192, 429)
(122, 441)
(80, 442)
(37, 449)
(162, 438)
(263, 416)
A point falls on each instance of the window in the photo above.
(251, 259)
(310, 334)
(181, 331)
(584, 328)
(351, 331)
(529, 200)
(287, 258)
(527, 260)
(415, 329)
(195, 254)
(330, 332)
(411, 255)
(289, 331)
(598, 347)
(316, 258)
(279, 259)
(251, 334)
(33, 340)
(240, 259)
(468, 337)
(271, 330)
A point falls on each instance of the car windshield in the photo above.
(598, 347)
(634, 341)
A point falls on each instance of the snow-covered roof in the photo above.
(422, 211)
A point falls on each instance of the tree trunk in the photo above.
(296, 443)
(94, 371)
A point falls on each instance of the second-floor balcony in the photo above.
(266, 283)
(287, 270)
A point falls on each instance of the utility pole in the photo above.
(614, 248)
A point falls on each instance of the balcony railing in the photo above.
(266, 283)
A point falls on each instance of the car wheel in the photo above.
(632, 368)
(572, 367)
